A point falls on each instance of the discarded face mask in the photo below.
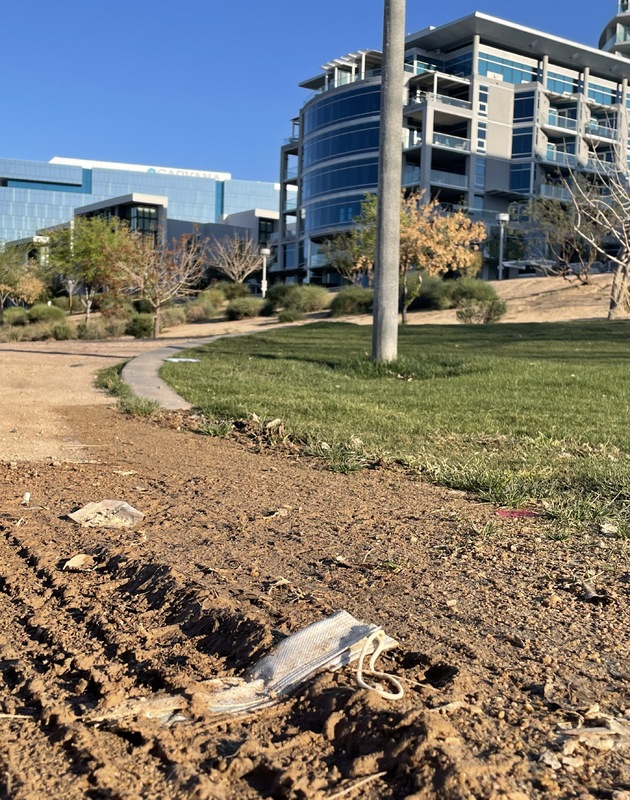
(107, 514)
(327, 644)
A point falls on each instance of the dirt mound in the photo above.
(516, 676)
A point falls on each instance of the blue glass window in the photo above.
(511, 71)
(561, 84)
(355, 139)
(345, 105)
(602, 94)
(522, 139)
(520, 177)
(325, 180)
(524, 107)
(332, 214)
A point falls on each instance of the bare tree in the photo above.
(159, 274)
(235, 257)
(602, 219)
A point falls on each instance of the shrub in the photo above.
(172, 315)
(62, 331)
(200, 310)
(42, 312)
(140, 326)
(115, 327)
(465, 289)
(290, 315)
(310, 298)
(142, 306)
(280, 295)
(352, 300)
(435, 294)
(113, 305)
(243, 308)
(61, 302)
(39, 331)
(15, 316)
(215, 295)
(11, 334)
(472, 311)
(91, 330)
(232, 291)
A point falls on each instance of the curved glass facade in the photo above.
(336, 127)
(342, 106)
(341, 177)
(344, 142)
(332, 213)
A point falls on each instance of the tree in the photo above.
(158, 273)
(552, 235)
(602, 220)
(236, 257)
(15, 272)
(432, 241)
(83, 254)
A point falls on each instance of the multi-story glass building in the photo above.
(38, 195)
(492, 112)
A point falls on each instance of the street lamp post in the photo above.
(265, 252)
(503, 220)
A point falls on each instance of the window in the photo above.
(522, 139)
(482, 134)
(561, 84)
(483, 101)
(524, 107)
(602, 94)
(265, 230)
(480, 173)
(347, 105)
(520, 177)
(506, 69)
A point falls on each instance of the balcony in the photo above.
(451, 142)
(411, 174)
(555, 120)
(600, 165)
(594, 128)
(560, 157)
(449, 179)
(290, 204)
(421, 97)
(554, 192)
(291, 174)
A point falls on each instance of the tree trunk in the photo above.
(404, 301)
(156, 321)
(385, 330)
(619, 290)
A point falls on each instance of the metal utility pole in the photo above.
(385, 335)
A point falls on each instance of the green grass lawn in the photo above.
(520, 414)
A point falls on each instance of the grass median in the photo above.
(520, 414)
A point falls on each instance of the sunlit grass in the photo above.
(519, 414)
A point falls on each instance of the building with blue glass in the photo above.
(492, 112)
(39, 195)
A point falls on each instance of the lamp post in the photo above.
(265, 252)
(503, 220)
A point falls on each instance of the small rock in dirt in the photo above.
(550, 759)
(83, 562)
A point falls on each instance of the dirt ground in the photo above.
(514, 646)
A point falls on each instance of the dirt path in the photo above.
(514, 645)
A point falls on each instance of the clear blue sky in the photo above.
(201, 84)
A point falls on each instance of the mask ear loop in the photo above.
(377, 638)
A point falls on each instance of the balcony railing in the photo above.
(561, 157)
(290, 204)
(448, 178)
(554, 192)
(560, 121)
(451, 142)
(599, 165)
(603, 131)
(292, 172)
(420, 97)
(411, 174)
(414, 139)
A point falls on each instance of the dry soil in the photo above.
(513, 646)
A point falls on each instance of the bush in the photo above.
(61, 302)
(15, 316)
(62, 331)
(232, 291)
(42, 312)
(352, 300)
(91, 330)
(172, 315)
(465, 289)
(140, 326)
(243, 308)
(115, 327)
(39, 331)
(290, 315)
(11, 334)
(435, 294)
(200, 310)
(214, 295)
(142, 306)
(113, 305)
(472, 311)
(310, 298)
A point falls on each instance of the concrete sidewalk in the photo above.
(142, 373)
